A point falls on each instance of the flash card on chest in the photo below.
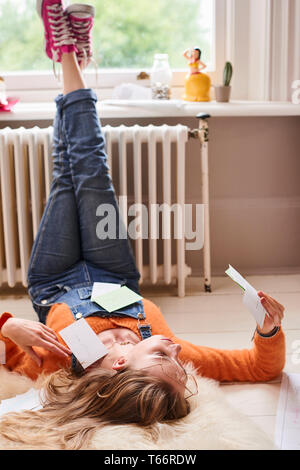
(83, 342)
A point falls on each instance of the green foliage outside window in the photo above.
(127, 33)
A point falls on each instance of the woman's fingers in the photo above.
(50, 335)
(273, 312)
(276, 305)
(272, 300)
(55, 341)
(54, 347)
(49, 341)
(49, 330)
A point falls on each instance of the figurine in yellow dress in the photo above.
(197, 83)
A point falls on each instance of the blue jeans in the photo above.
(67, 255)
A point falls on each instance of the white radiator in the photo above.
(25, 179)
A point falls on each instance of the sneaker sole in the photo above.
(80, 8)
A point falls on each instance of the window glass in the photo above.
(127, 33)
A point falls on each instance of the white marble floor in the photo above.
(219, 319)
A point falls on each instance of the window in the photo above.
(126, 35)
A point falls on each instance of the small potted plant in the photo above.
(223, 91)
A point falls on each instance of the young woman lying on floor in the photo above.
(142, 379)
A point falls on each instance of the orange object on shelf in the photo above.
(197, 84)
(197, 87)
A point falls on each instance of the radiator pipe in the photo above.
(202, 133)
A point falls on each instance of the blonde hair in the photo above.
(75, 406)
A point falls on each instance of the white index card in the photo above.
(100, 288)
(252, 301)
(251, 298)
(83, 342)
(237, 277)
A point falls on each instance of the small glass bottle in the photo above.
(161, 77)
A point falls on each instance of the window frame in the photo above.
(43, 86)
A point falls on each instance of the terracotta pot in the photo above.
(222, 93)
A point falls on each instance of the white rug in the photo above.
(213, 424)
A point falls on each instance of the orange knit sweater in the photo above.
(263, 362)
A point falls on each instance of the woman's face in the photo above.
(195, 54)
(158, 355)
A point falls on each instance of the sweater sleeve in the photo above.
(263, 362)
(16, 360)
(9, 351)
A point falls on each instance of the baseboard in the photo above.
(217, 272)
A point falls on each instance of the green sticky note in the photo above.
(117, 299)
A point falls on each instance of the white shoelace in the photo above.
(59, 23)
(83, 38)
(84, 45)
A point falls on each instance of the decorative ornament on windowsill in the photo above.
(6, 103)
(223, 91)
(197, 84)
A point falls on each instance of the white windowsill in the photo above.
(171, 108)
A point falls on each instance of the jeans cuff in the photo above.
(82, 94)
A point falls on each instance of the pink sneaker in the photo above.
(82, 20)
(59, 37)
